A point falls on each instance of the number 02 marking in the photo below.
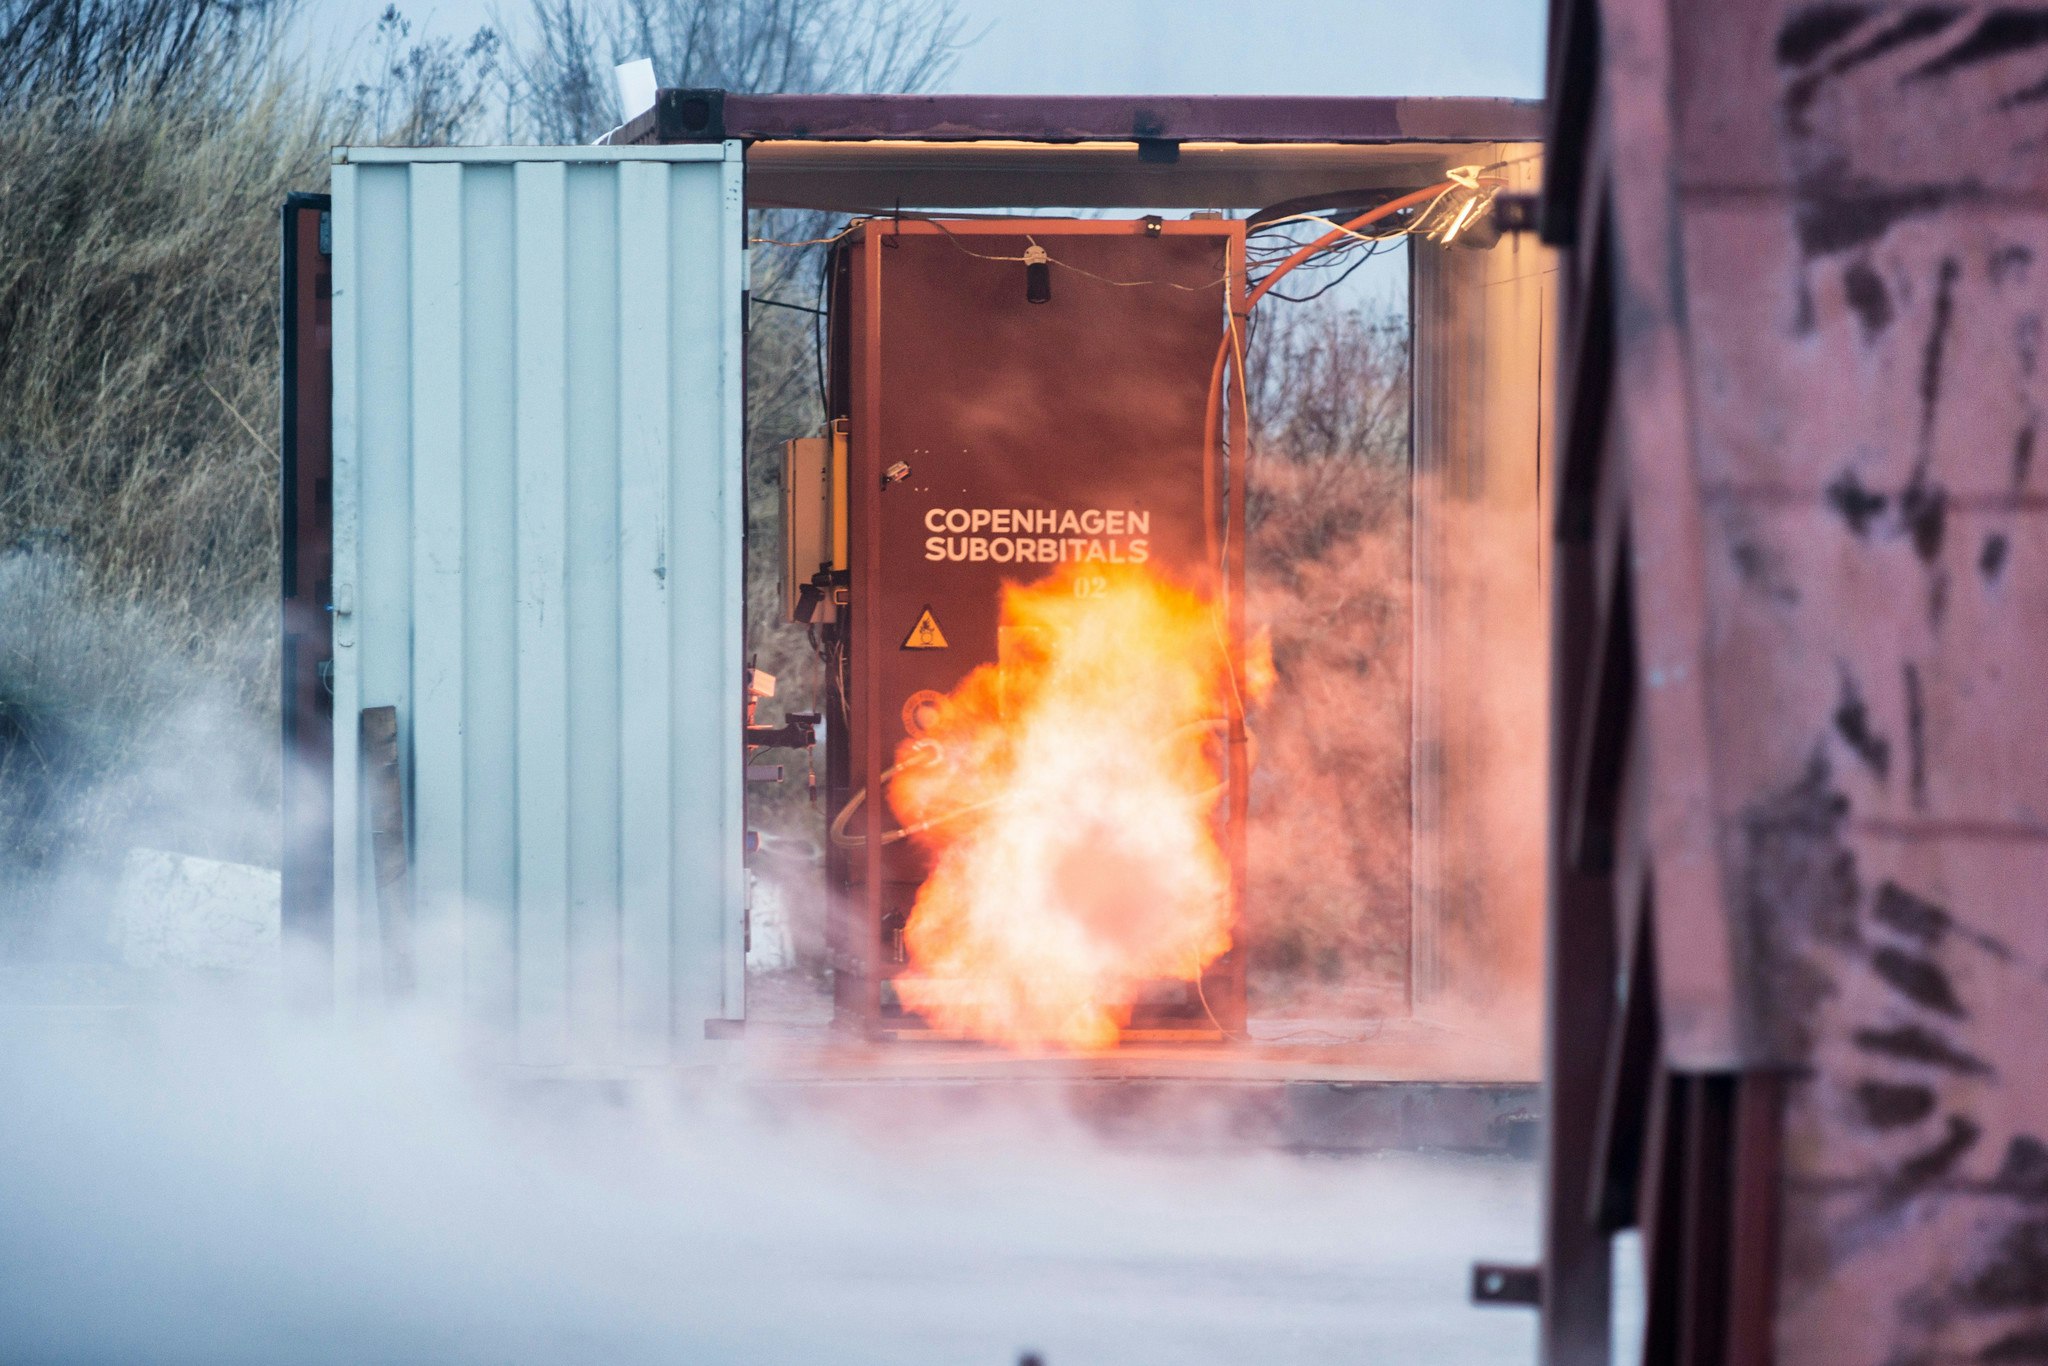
(1090, 586)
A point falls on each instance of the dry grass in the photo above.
(138, 355)
(138, 538)
(139, 365)
(1327, 568)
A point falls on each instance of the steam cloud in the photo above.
(194, 1183)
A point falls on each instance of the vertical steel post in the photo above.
(864, 467)
(1230, 1009)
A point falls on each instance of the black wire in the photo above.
(821, 331)
(1363, 257)
(777, 303)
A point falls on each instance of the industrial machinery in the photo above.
(1008, 397)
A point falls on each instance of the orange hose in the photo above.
(1212, 418)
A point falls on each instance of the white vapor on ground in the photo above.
(198, 1184)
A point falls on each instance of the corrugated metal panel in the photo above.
(538, 403)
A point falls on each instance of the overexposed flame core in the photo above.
(1072, 792)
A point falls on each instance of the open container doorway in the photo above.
(1390, 857)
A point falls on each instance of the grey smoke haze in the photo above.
(197, 1184)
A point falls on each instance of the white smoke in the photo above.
(185, 1182)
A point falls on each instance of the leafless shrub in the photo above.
(90, 55)
(138, 347)
(564, 79)
(138, 363)
(1327, 576)
(424, 93)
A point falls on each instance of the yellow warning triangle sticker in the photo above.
(926, 635)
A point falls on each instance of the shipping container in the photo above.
(538, 680)
(537, 376)
(1796, 942)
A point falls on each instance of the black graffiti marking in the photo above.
(1991, 562)
(1916, 739)
(2026, 94)
(1852, 721)
(1913, 1043)
(1813, 31)
(1833, 219)
(2022, 457)
(1858, 505)
(1920, 980)
(1924, 921)
(1931, 1164)
(1763, 568)
(2010, 262)
(1924, 508)
(1893, 1105)
(1923, 22)
(1999, 34)
(2024, 1173)
(2027, 1344)
(1932, 356)
(1865, 291)
(1913, 916)
(2017, 1276)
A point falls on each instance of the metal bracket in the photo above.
(1507, 1283)
(1516, 212)
(689, 115)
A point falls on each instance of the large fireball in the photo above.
(1069, 796)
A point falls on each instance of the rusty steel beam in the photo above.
(1160, 121)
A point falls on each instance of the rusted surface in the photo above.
(1827, 241)
(306, 645)
(878, 176)
(687, 115)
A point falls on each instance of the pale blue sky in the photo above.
(1272, 47)
(1195, 47)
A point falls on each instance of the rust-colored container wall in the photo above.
(1802, 818)
(993, 439)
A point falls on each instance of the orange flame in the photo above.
(1069, 796)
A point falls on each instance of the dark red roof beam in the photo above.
(712, 115)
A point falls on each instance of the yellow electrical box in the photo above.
(836, 495)
(813, 521)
